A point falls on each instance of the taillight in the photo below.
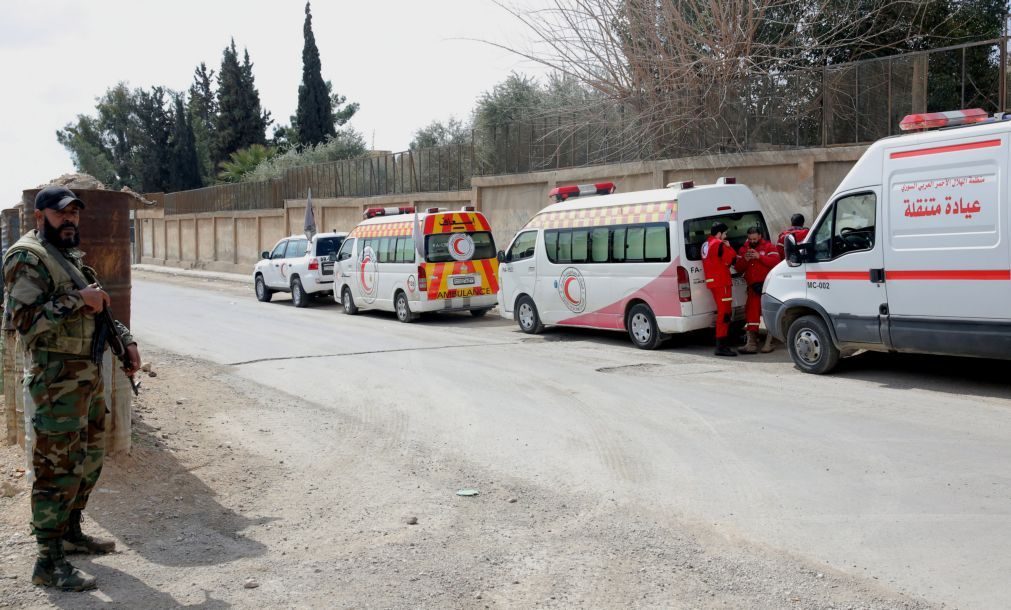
(684, 286)
(422, 279)
(314, 264)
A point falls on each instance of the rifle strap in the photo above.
(74, 273)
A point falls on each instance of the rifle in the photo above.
(106, 331)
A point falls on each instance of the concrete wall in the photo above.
(784, 181)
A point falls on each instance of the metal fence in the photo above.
(849, 103)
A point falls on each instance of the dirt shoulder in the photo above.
(230, 483)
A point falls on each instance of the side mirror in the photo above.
(264, 255)
(501, 256)
(796, 254)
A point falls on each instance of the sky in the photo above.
(407, 62)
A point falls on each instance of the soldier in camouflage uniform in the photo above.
(57, 325)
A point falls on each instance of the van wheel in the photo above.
(403, 308)
(298, 296)
(263, 294)
(811, 345)
(526, 316)
(642, 328)
(347, 302)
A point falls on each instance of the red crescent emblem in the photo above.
(365, 286)
(565, 287)
(456, 246)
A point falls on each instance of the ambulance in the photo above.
(624, 261)
(410, 263)
(911, 254)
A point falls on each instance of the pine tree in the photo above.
(151, 155)
(184, 168)
(203, 109)
(314, 117)
(240, 121)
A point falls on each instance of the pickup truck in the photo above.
(300, 266)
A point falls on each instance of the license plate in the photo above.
(465, 280)
(327, 268)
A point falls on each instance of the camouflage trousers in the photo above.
(69, 446)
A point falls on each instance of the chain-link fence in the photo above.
(846, 104)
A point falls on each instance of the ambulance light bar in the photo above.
(683, 185)
(468, 208)
(373, 212)
(434, 210)
(933, 120)
(726, 180)
(561, 193)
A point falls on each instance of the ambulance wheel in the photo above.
(263, 294)
(298, 296)
(403, 308)
(526, 316)
(642, 328)
(811, 345)
(347, 302)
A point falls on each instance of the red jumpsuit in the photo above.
(754, 274)
(799, 233)
(717, 256)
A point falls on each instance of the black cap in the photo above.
(56, 198)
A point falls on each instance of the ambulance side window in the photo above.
(346, 248)
(848, 227)
(524, 246)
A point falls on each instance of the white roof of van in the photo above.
(633, 197)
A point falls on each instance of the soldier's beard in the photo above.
(54, 235)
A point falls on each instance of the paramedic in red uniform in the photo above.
(717, 256)
(798, 230)
(755, 260)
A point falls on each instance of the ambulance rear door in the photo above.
(947, 262)
(845, 266)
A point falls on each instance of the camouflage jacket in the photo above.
(37, 307)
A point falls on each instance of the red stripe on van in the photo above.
(970, 274)
(945, 149)
(839, 275)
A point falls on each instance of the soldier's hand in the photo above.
(95, 299)
(135, 365)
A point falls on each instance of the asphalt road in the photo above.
(895, 468)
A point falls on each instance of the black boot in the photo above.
(722, 349)
(76, 541)
(53, 570)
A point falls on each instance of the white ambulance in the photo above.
(629, 262)
(410, 263)
(911, 254)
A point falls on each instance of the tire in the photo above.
(348, 302)
(478, 313)
(403, 308)
(811, 345)
(298, 296)
(263, 294)
(527, 317)
(642, 327)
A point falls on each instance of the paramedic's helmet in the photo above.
(718, 227)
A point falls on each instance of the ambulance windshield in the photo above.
(697, 231)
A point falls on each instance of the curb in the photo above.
(234, 278)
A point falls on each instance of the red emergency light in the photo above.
(373, 212)
(561, 193)
(468, 208)
(933, 120)
(726, 180)
(683, 185)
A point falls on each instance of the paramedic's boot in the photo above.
(768, 344)
(751, 347)
(53, 570)
(76, 541)
(722, 349)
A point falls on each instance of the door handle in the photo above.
(531, 268)
(877, 276)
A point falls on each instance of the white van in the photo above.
(911, 254)
(407, 263)
(630, 262)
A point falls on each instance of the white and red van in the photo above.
(627, 261)
(911, 254)
(411, 263)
